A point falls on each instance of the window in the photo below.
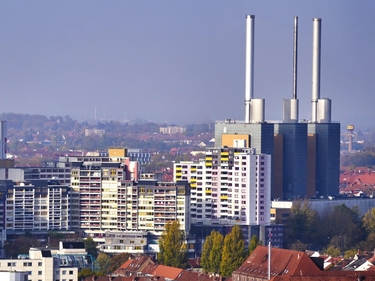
(39, 273)
(63, 272)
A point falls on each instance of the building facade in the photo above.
(40, 266)
(230, 186)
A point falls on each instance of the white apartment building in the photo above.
(36, 206)
(230, 186)
(40, 266)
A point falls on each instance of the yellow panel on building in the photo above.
(117, 152)
(235, 140)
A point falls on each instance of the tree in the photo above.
(172, 246)
(84, 273)
(102, 263)
(21, 245)
(349, 254)
(212, 252)
(302, 222)
(233, 251)
(117, 261)
(254, 242)
(369, 221)
(333, 251)
(90, 247)
(206, 251)
(216, 252)
(344, 226)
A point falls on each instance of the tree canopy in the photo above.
(234, 252)
(212, 252)
(90, 247)
(172, 246)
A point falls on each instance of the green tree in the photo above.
(301, 224)
(254, 242)
(21, 245)
(117, 261)
(216, 252)
(368, 244)
(206, 251)
(172, 246)
(85, 272)
(344, 226)
(298, 246)
(103, 262)
(333, 251)
(233, 251)
(369, 221)
(349, 254)
(90, 247)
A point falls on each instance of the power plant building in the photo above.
(305, 154)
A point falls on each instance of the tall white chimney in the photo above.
(249, 79)
(295, 57)
(290, 106)
(316, 67)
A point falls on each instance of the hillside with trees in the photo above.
(39, 136)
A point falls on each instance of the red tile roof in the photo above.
(134, 265)
(167, 271)
(283, 262)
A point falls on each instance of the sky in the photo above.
(182, 62)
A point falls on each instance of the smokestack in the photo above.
(290, 106)
(295, 51)
(316, 66)
(249, 79)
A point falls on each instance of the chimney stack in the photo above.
(249, 79)
(316, 52)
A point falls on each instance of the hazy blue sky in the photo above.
(181, 61)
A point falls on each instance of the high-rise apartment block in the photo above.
(230, 186)
(109, 199)
(37, 206)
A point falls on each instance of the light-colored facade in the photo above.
(13, 275)
(144, 208)
(132, 242)
(230, 186)
(172, 130)
(40, 266)
(94, 132)
(37, 206)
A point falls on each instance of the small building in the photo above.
(40, 265)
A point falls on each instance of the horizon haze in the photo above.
(181, 62)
